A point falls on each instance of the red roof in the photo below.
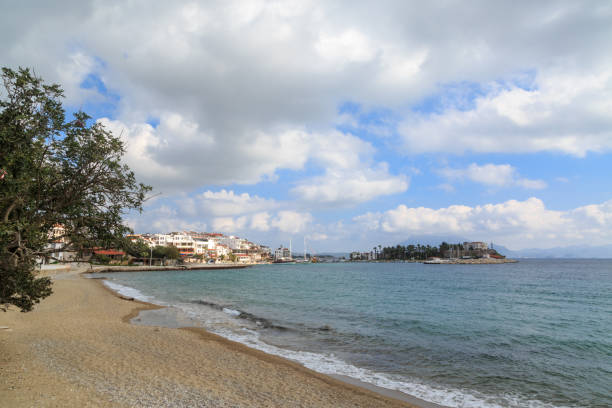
(108, 252)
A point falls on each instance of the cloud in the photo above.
(260, 221)
(229, 225)
(291, 221)
(242, 87)
(518, 224)
(240, 92)
(163, 218)
(351, 177)
(222, 211)
(492, 175)
(224, 203)
(177, 155)
(161, 156)
(340, 188)
(317, 236)
(563, 112)
(346, 47)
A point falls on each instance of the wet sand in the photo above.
(78, 349)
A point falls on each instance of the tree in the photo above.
(166, 252)
(137, 248)
(54, 172)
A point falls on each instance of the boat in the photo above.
(284, 261)
(436, 261)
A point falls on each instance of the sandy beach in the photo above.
(78, 349)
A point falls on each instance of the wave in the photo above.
(127, 291)
(259, 321)
(329, 363)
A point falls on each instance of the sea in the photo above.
(537, 333)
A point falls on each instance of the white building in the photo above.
(475, 246)
(222, 250)
(57, 244)
(282, 253)
(235, 243)
(160, 239)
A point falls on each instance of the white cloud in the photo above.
(229, 225)
(350, 187)
(317, 236)
(346, 47)
(400, 67)
(350, 175)
(567, 113)
(284, 221)
(159, 155)
(236, 85)
(177, 155)
(260, 221)
(517, 224)
(163, 219)
(223, 203)
(493, 175)
(291, 221)
(246, 89)
(72, 72)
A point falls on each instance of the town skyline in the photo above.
(349, 126)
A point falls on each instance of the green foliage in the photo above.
(102, 259)
(54, 171)
(166, 252)
(418, 251)
(137, 248)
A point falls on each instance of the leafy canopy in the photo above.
(54, 172)
(166, 252)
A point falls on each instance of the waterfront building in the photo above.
(282, 253)
(475, 246)
(58, 242)
(222, 251)
(195, 246)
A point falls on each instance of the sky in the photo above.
(347, 123)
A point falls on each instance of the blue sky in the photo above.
(347, 124)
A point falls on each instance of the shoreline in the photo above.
(78, 349)
(166, 320)
(479, 261)
(146, 268)
(446, 261)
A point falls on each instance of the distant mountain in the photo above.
(575, 251)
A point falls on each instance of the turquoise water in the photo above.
(537, 333)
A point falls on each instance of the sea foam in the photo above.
(330, 364)
(226, 323)
(127, 291)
